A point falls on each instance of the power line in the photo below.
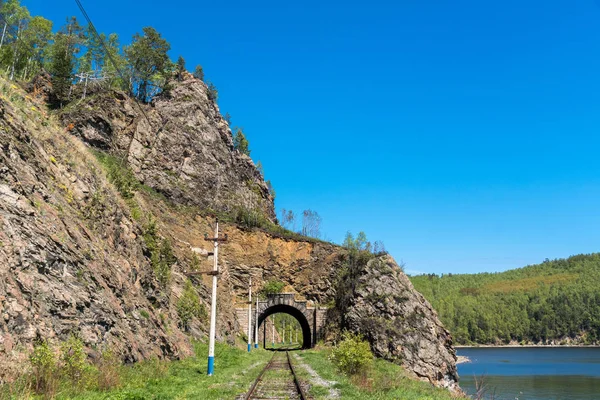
(110, 57)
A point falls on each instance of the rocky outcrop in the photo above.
(400, 324)
(179, 145)
(71, 257)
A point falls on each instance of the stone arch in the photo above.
(294, 312)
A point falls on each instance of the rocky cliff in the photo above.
(71, 257)
(84, 244)
(400, 324)
(180, 145)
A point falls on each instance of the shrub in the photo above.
(273, 286)
(74, 361)
(44, 367)
(352, 355)
(119, 174)
(251, 218)
(108, 370)
(189, 306)
(162, 260)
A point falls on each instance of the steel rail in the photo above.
(301, 393)
(259, 378)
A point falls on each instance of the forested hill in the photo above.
(554, 302)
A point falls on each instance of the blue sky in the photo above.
(464, 134)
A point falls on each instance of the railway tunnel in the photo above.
(310, 317)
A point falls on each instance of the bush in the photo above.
(352, 356)
(119, 174)
(273, 286)
(162, 260)
(74, 362)
(108, 370)
(44, 367)
(161, 253)
(189, 306)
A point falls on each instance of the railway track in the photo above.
(277, 380)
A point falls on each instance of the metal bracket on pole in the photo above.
(209, 273)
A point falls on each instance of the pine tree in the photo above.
(240, 143)
(199, 73)
(61, 68)
(180, 68)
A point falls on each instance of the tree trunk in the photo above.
(14, 61)
(3, 33)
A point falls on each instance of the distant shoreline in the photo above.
(523, 346)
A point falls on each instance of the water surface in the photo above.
(539, 373)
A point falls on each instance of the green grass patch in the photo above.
(383, 381)
(235, 370)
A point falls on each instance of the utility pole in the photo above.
(213, 301)
(283, 337)
(273, 331)
(250, 315)
(256, 325)
(296, 335)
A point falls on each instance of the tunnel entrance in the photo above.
(306, 334)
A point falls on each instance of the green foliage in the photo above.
(271, 189)
(273, 286)
(554, 300)
(162, 260)
(161, 253)
(180, 67)
(109, 366)
(240, 143)
(74, 361)
(145, 314)
(61, 68)
(150, 64)
(352, 355)
(199, 72)
(213, 93)
(119, 174)
(383, 381)
(189, 306)
(250, 218)
(259, 168)
(44, 367)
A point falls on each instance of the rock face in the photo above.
(71, 258)
(400, 324)
(185, 152)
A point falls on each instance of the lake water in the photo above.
(538, 373)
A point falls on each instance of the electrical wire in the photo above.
(110, 57)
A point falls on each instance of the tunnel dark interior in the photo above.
(294, 312)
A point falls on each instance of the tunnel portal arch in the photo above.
(311, 317)
(294, 312)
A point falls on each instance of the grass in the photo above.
(235, 370)
(384, 381)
